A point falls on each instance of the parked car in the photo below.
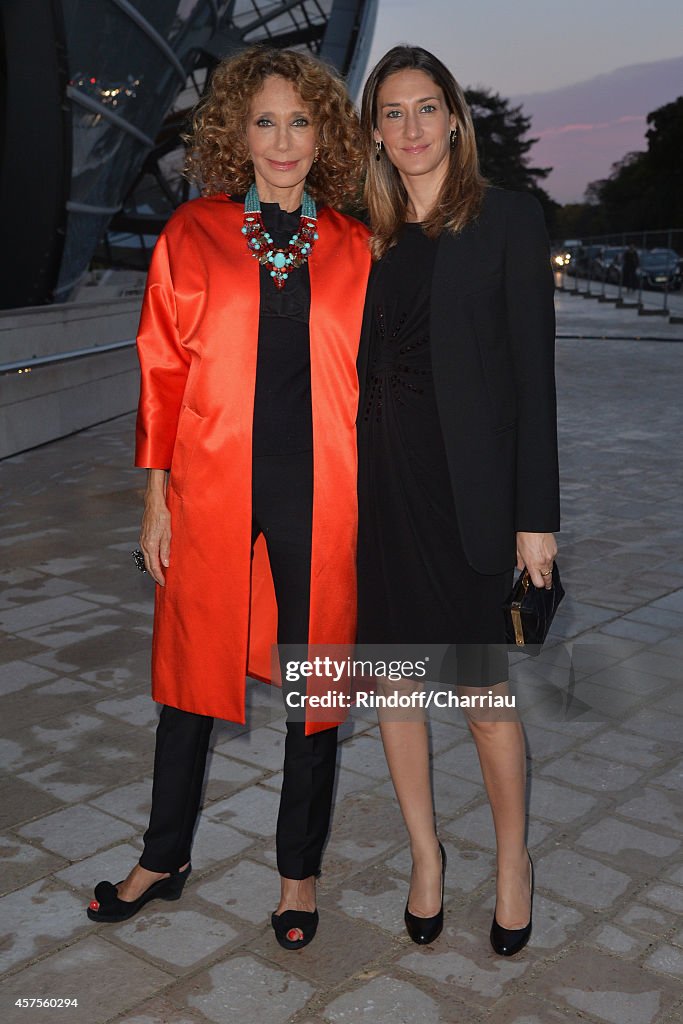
(607, 263)
(614, 266)
(659, 268)
(583, 260)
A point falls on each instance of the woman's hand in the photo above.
(155, 532)
(536, 552)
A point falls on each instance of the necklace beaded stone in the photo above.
(261, 245)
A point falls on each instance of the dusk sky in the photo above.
(533, 46)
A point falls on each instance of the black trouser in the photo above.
(282, 506)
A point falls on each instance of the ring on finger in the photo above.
(139, 559)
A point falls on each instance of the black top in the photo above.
(414, 582)
(400, 405)
(282, 403)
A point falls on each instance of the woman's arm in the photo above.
(531, 324)
(164, 366)
(155, 531)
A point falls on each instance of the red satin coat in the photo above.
(215, 619)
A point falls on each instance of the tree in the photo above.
(503, 147)
(579, 220)
(501, 141)
(665, 145)
(645, 189)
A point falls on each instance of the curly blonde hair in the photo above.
(218, 157)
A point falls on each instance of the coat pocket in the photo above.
(189, 428)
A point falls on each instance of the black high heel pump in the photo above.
(424, 930)
(508, 941)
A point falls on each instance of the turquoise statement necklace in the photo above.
(261, 245)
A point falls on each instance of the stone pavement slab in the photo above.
(105, 981)
(160, 1011)
(580, 879)
(608, 989)
(385, 998)
(611, 939)
(178, 938)
(76, 831)
(35, 917)
(261, 991)
(244, 890)
(23, 863)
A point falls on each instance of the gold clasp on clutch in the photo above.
(516, 613)
(517, 623)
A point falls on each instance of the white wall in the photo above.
(56, 399)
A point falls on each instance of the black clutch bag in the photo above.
(529, 610)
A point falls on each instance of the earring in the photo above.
(317, 155)
(454, 135)
(378, 150)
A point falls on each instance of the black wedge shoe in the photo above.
(289, 922)
(424, 930)
(108, 907)
(508, 941)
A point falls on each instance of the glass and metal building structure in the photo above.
(96, 93)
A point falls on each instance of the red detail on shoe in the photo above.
(94, 905)
(295, 934)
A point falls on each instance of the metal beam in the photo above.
(95, 107)
(312, 34)
(263, 20)
(75, 207)
(21, 365)
(149, 30)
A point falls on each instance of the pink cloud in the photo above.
(564, 129)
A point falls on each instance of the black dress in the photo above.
(415, 585)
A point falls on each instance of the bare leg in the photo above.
(502, 756)
(297, 894)
(406, 747)
(139, 880)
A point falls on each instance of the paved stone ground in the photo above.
(604, 759)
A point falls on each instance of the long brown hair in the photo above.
(218, 156)
(463, 189)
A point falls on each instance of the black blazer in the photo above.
(492, 347)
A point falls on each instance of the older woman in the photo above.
(246, 423)
(457, 444)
